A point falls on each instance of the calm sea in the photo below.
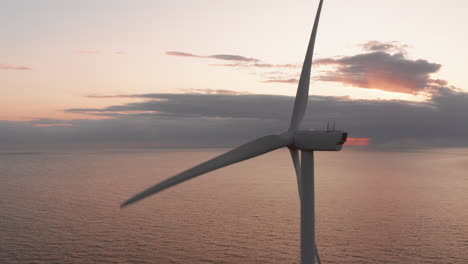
(372, 207)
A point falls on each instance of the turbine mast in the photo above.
(308, 248)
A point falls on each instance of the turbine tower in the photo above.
(304, 141)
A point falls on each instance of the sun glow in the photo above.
(358, 142)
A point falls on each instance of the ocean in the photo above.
(372, 207)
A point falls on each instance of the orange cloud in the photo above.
(381, 70)
(358, 142)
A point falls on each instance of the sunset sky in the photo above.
(149, 72)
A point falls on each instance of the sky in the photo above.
(150, 73)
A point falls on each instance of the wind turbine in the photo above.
(304, 141)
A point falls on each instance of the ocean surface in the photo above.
(372, 207)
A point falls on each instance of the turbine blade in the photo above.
(317, 254)
(302, 95)
(297, 167)
(249, 150)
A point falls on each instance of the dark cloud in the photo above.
(239, 61)
(50, 122)
(186, 91)
(191, 105)
(223, 120)
(182, 54)
(228, 64)
(14, 67)
(393, 46)
(231, 57)
(266, 65)
(212, 91)
(381, 70)
(291, 80)
(259, 65)
(228, 57)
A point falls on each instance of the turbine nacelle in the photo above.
(319, 140)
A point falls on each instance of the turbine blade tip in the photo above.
(125, 204)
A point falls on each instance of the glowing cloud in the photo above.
(384, 66)
(380, 70)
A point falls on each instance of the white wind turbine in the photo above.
(306, 141)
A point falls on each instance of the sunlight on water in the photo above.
(372, 207)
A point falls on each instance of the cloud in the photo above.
(259, 65)
(182, 54)
(208, 105)
(14, 67)
(228, 57)
(53, 125)
(225, 120)
(231, 57)
(50, 123)
(186, 91)
(383, 65)
(381, 70)
(242, 62)
(291, 80)
(266, 65)
(212, 91)
(239, 61)
(393, 46)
